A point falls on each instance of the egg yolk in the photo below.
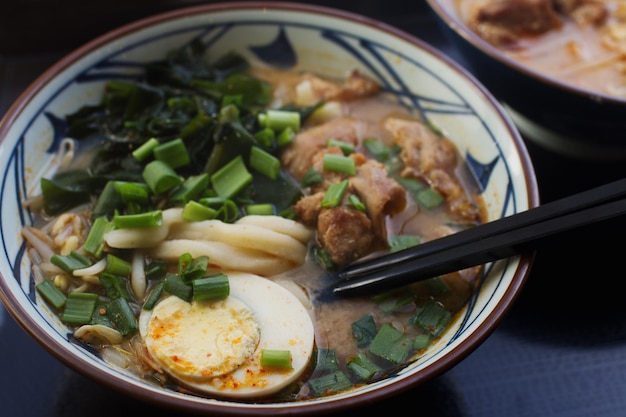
(224, 334)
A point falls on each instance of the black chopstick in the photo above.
(485, 243)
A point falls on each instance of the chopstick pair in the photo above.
(485, 243)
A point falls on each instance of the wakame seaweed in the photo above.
(182, 96)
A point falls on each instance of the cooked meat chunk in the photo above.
(503, 22)
(305, 89)
(330, 177)
(381, 194)
(355, 86)
(308, 208)
(428, 156)
(345, 233)
(298, 157)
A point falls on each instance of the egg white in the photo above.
(262, 305)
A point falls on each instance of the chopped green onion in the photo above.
(190, 188)
(394, 300)
(231, 178)
(99, 315)
(71, 262)
(192, 268)
(213, 287)
(185, 263)
(118, 266)
(176, 286)
(391, 344)
(195, 212)
(114, 285)
(311, 177)
(214, 202)
(260, 209)
(94, 243)
(132, 192)
(323, 258)
(122, 316)
(160, 177)
(326, 360)
(275, 358)
(278, 120)
(285, 137)
(264, 162)
(429, 198)
(364, 330)
(145, 150)
(356, 202)
(432, 317)
(411, 184)
(79, 307)
(421, 341)
(400, 242)
(377, 149)
(265, 137)
(156, 270)
(229, 212)
(363, 367)
(339, 163)
(152, 218)
(329, 384)
(346, 147)
(173, 153)
(334, 194)
(51, 293)
(154, 295)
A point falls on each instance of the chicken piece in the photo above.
(298, 156)
(354, 87)
(422, 149)
(381, 194)
(305, 89)
(345, 233)
(330, 177)
(504, 22)
(308, 208)
(429, 156)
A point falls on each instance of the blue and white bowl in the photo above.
(292, 36)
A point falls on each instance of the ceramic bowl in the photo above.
(563, 117)
(294, 36)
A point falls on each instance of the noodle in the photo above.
(223, 256)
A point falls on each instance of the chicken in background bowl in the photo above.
(557, 65)
(455, 119)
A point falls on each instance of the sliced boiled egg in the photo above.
(215, 346)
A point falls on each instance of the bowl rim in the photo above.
(458, 26)
(358, 399)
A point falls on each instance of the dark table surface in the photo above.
(560, 351)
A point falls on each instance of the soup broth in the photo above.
(404, 183)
